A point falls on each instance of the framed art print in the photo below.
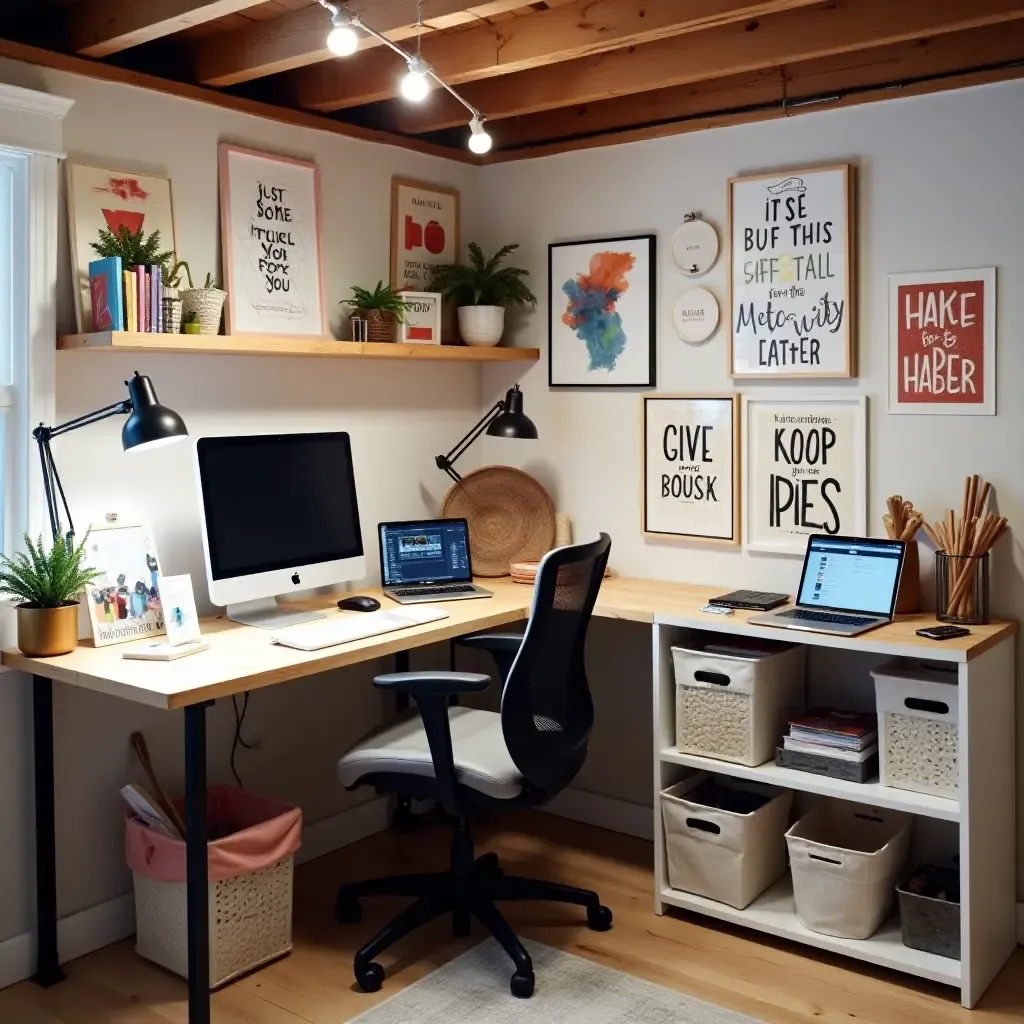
(791, 274)
(425, 231)
(805, 470)
(422, 322)
(104, 199)
(691, 459)
(942, 342)
(602, 323)
(273, 245)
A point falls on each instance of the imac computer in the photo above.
(279, 515)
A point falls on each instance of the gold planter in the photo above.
(47, 632)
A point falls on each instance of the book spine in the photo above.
(140, 298)
(129, 317)
(117, 294)
(158, 294)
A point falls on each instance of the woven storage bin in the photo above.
(735, 697)
(918, 728)
(720, 854)
(250, 921)
(845, 859)
(208, 304)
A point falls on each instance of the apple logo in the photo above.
(295, 578)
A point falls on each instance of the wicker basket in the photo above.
(381, 324)
(208, 304)
(250, 922)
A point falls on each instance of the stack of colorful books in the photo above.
(126, 299)
(841, 744)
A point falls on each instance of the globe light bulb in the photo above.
(416, 84)
(479, 139)
(343, 39)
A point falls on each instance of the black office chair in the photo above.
(472, 760)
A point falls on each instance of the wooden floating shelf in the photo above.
(261, 345)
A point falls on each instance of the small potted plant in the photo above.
(47, 585)
(483, 290)
(383, 308)
(172, 295)
(207, 302)
(190, 323)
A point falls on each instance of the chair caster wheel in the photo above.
(599, 920)
(489, 866)
(370, 978)
(521, 985)
(347, 910)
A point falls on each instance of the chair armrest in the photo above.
(432, 684)
(495, 643)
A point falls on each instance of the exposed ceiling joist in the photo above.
(299, 37)
(840, 27)
(103, 27)
(536, 40)
(901, 62)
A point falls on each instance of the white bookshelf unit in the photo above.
(979, 825)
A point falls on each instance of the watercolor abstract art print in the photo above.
(601, 330)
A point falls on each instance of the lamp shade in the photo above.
(150, 424)
(512, 421)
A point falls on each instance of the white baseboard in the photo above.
(99, 926)
(604, 812)
(1020, 924)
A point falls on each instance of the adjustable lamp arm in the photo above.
(447, 462)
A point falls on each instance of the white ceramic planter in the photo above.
(481, 325)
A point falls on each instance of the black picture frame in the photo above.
(556, 303)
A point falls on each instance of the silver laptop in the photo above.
(428, 560)
(848, 586)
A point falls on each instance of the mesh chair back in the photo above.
(546, 708)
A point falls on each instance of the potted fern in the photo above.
(483, 290)
(383, 308)
(206, 302)
(47, 585)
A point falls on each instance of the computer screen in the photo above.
(278, 501)
(850, 574)
(432, 551)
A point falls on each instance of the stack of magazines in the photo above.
(842, 744)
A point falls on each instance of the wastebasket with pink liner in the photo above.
(251, 868)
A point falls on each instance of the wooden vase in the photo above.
(908, 597)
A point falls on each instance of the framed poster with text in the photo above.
(691, 460)
(805, 470)
(791, 274)
(425, 225)
(942, 342)
(273, 245)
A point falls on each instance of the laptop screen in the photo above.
(851, 574)
(431, 551)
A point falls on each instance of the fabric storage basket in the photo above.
(734, 697)
(845, 859)
(724, 855)
(250, 885)
(918, 731)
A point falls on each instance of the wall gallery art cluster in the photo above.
(791, 306)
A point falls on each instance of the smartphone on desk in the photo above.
(943, 632)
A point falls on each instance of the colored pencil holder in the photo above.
(961, 588)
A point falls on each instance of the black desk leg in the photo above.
(196, 874)
(48, 970)
(402, 820)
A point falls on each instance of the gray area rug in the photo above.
(473, 989)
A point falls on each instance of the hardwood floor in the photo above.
(772, 981)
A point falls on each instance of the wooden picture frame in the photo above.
(788, 497)
(135, 199)
(784, 351)
(938, 335)
(681, 505)
(445, 208)
(271, 205)
(625, 271)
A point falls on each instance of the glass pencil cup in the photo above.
(961, 588)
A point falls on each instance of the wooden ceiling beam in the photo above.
(102, 27)
(842, 26)
(535, 40)
(300, 37)
(900, 62)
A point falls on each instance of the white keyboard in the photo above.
(344, 628)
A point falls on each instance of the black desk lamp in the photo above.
(149, 425)
(505, 419)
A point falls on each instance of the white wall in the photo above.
(399, 416)
(940, 187)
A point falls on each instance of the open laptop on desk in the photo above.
(848, 586)
(425, 561)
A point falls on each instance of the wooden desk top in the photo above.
(243, 658)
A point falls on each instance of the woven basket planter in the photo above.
(381, 325)
(208, 303)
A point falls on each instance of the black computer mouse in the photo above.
(360, 603)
